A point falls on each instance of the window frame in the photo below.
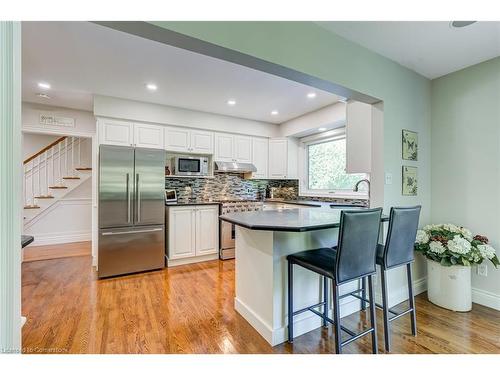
(304, 169)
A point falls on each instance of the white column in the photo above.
(10, 186)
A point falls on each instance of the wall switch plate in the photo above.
(388, 178)
(482, 269)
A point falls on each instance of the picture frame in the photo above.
(409, 145)
(409, 181)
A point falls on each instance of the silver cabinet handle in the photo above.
(128, 199)
(138, 194)
(132, 231)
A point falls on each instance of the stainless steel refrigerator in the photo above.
(131, 210)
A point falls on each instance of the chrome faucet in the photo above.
(356, 186)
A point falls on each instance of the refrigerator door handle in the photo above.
(138, 198)
(128, 199)
(132, 231)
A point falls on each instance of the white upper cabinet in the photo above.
(124, 133)
(243, 149)
(177, 139)
(224, 147)
(283, 158)
(260, 151)
(149, 136)
(186, 140)
(229, 147)
(114, 132)
(358, 137)
(202, 142)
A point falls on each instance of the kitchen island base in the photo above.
(261, 281)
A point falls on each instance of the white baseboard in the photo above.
(485, 298)
(183, 261)
(303, 323)
(60, 238)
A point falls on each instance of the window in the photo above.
(326, 164)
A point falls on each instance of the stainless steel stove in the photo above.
(227, 230)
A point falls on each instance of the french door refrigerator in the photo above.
(131, 210)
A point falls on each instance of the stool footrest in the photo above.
(308, 308)
(396, 316)
(356, 336)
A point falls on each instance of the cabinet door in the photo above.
(278, 153)
(177, 139)
(224, 147)
(148, 136)
(181, 232)
(118, 133)
(243, 149)
(207, 230)
(202, 142)
(260, 153)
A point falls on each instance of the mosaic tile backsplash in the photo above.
(234, 186)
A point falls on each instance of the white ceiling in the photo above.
(432, 49)
(79, 59)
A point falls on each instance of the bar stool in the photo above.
(352, 259)
(398, 252)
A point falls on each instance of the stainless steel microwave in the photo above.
(190, 165)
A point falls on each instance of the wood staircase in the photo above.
(51, 173)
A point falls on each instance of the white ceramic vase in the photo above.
(449, 287)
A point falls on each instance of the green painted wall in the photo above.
(466, 151)
(307, 47)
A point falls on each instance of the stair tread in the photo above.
(58, 187)
(83, 169)
(71, 178)
(45, 197)
(31, 207)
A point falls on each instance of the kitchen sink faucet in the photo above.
(356, 186)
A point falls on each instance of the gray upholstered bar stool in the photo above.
(352, 259)
(398, 252)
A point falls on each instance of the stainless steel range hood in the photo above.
(234, 167)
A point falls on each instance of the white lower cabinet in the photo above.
(193, 232)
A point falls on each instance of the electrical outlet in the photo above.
(388, 178)
(482, 269)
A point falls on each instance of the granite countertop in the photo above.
(191, 203)
(293, 220)
(314, 203)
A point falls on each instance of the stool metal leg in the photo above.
(325, 300)
(290, 302)
(336, 318)
(363, 293)
(385, 309)
(373, 315)
(411, 300)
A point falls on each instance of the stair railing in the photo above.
(44, 169)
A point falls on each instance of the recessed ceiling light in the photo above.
(311, 95)
(231, 102)
(274, 113)
(321, 129)
(151, 87)
(459, 24)
(42, 95)
(44, 85)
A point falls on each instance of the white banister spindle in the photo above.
(46, 166)
(39, 192)
(32, 182)
(24, 185)
(66, 157)
(60, 165)
(79, 152)
(72, 156)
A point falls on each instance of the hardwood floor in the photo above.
(189, 309)
(74, 249)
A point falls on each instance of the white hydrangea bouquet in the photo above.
(451, 245)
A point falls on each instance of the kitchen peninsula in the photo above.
(263, 240)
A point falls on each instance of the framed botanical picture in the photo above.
(410, 145)
(409, 181)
